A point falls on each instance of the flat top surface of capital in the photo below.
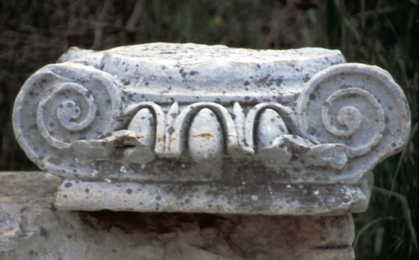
(197, 69)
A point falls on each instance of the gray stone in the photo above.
(278, 145)
(251, 198)
(211, 129)
(32, 228)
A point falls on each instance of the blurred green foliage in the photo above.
(378, 32)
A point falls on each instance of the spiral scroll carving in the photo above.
(75, 110)
(69, 112)
(72, 119)
(64, 103)
(346, 104)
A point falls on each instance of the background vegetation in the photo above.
(383, 32)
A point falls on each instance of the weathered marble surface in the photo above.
(293, 132)
(32, 228)
(269, 199)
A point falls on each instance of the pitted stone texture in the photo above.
(180, 115)
(272, 199)
(358, 106)
(188, 71)
(155, 92)
(36, 230)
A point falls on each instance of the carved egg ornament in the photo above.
(270, 126)
(144, 126)
(205, 138)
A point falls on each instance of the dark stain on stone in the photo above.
(311, 130)
(160, 223)
(55, 161)
(43, 232)
(312, 96)
(268, 81)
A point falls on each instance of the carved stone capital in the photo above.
(296, 131)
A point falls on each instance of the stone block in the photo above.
(32, 228)
(196, 128)
(186, 151)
